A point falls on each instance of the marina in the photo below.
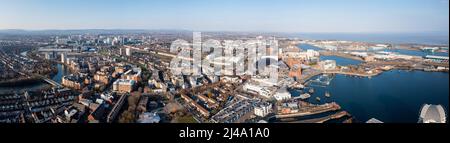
(321, 81)
(393, 96)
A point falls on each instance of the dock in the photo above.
(312, 110)
(351, 73)
(326, 118)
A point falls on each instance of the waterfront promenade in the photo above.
(352, 73)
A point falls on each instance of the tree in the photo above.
(127, 117)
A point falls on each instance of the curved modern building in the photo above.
(432, 114)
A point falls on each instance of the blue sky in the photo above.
(348, 16)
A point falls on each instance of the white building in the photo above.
(128, 52)
(328, 65)
(120, 51)
(263, 110)
(312, 53)
(393, 56)
(307, 55)
(360, 54)
(282, 94)
(330, 47)
(50, 55)
(257, 89)
(231, 79)
(430, 49)
(133, 74)
(63, 58)
(379, 47)
(264, 81)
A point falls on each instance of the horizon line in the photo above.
(242, 31)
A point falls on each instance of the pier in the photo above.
(352, 73)
(326, 118)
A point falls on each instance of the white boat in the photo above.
(318, 98)
(305, 96)
(298, 86)
(327, 94)
(311, 90)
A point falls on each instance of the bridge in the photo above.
(49, 81)
(115, 110)
(52, 82)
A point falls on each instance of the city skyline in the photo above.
(403, 16)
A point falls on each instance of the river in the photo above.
(62, 70)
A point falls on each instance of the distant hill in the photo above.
(85, 31)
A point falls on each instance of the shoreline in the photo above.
(373, 74)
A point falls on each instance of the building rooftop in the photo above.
(432, 114)
(149, 118)
(73, 78)
(373, 120)
(125, 82)
(436, 57)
